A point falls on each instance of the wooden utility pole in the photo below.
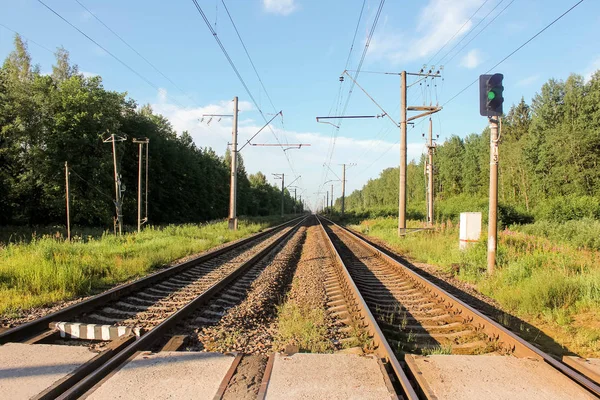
(430, 194)
(233, 221)
(118, 203)
(404, 120)
(493, 212)
(141, 143)
(67, 197)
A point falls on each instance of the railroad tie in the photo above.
(75, 330)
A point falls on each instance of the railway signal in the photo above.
(490, 105)
(491, 95)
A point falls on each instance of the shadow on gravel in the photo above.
(523, 329)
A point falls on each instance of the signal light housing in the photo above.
(491, 95)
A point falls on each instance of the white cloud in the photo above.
(472, 59)
(528, 80)
(281, 7)
(87, 74)
(437, 22)
(592, 67)
(308, 161)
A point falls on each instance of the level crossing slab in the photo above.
(327, 376)
(491, 377)
(28, 369)
(166, 375)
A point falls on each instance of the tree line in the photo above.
(47, 119)
(549, 162)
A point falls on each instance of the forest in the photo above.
(49, 119)
(549, 155)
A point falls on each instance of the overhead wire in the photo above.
(135, 51)
(516, 50)
(29, 40)
(359, 67)
(479, 33)
(241, 79)
(440, 61)
(457, 32)
(150, 83)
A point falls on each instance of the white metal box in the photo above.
(470, 228)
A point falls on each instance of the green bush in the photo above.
(584, 233)
(567, 208)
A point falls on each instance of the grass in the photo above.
(542, 278)
(302, 326)
(47, 269)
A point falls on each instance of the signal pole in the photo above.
(490, 105)
(430, 194)
(118, 203)
(67, 197)
(493, 212)
(141, 143)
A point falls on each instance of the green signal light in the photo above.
(491, 95)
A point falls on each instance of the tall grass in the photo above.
(45, 270)
(542, 276)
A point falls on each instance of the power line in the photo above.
(106, 50)
(362, 59)
(457, 32)
(517, 49)
(248, 55)
(475, 27)
(479, 33)
(355, 33)
(29, 40)
(134, 50)
(241, 79)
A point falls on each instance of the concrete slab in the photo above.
(28, 369)
(167, 375)
(492, 377)
(326, 376)
(589, 367)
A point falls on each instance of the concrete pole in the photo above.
(295, 201)
(146, 199)
(282, 191)
(327, 203)
(332, 197)
(402, 192)
(139, 219)
(67, 197)
(493, 216)
(430, 193)
(233, 221)
(117, 186)
(343, 188)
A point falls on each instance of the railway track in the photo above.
(407, 314)
(132, 317)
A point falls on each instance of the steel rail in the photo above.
(493, 329)
(146, 341)
(383, 348)
(25, 331)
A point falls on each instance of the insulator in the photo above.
(341, 79)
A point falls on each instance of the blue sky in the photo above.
(300, 49)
